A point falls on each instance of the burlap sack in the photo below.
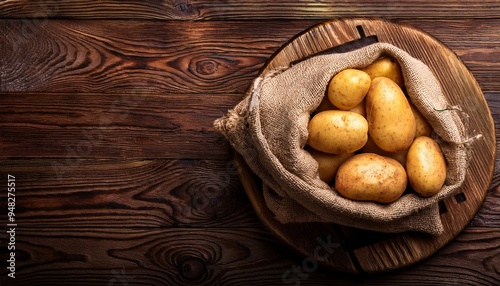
(269, 129)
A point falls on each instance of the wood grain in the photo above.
(179, 57)
(488, 214)
(134, 57)
(155, 193)
(127, 193)
(89, 256)
(71, 127)
(106, 113)
(144, 193)
(248, 9)
(157, 257)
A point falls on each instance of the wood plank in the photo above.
(475, 42)
(143, 193)
(72, 127)
(490, 208)
(246, 256)
(456, 261)
(127, 193)
(179, 57)
(248, 9)
(135, 56)
(88, 256)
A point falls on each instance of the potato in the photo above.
(426, 166)
(359, 109)
(348, 88)
(337, 131)
(325, 105)
(371, 177)
(386, 67)
(371, 147)
(390, 119)
(422, 127)
(399, 156)
(328, 163)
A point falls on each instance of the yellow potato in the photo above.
(423, 128)
(371, 147)
(348, 88)
(399, 156)
(386, 67)
(328, 163)
(325, 105)
(337, 131)
(426, 166)
(391, 121)
(359, 109)
(371, 177)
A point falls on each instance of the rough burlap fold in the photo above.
(269, 129)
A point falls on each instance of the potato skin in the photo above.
(348, 88)
(371, 147)
(325, 105)
(426, 166)
(391, 121)
(371, 177)
(337, 131)
(360, 109)
(328, 164)
(386, 67)
(422, 127)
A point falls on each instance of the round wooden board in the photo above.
(353, 250)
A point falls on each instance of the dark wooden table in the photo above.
(106, 111)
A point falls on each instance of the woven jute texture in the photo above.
(269, 129)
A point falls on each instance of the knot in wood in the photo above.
(184, 7)
(206, 67)
(193, 268)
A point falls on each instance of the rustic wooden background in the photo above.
(106, 111)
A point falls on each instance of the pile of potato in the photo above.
(370, 141)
